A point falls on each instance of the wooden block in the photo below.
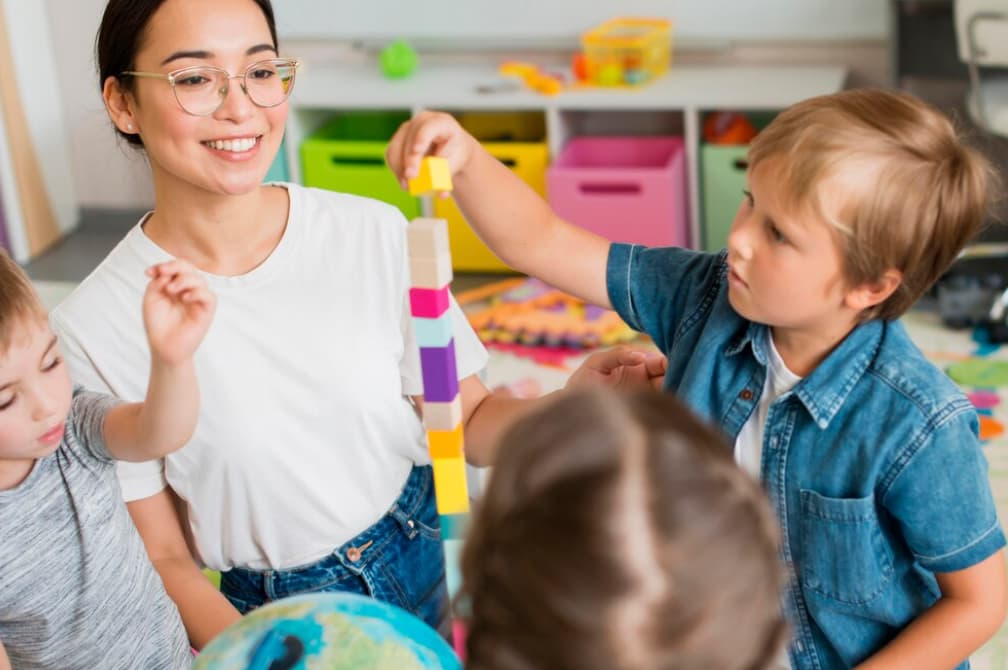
(446, 443)
(431, 272)
(454, 526)
(435, 176)
(442, 415)
(440, 376)
(433, 332)
(428, 238)
(450, 486)
(429, 303)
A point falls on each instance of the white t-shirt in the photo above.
(306, 435)
(749, 443)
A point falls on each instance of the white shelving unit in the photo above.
(674, 104)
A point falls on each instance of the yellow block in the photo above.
(434, 176)
(450, 486)
(445, 443)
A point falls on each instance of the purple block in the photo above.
(440, 376)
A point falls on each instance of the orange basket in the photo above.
(627, 51)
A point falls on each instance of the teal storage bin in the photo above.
(347, 154)
(722, 180)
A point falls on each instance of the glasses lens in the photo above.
(200, 90)
(269, 82)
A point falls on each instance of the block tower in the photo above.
(431, 275)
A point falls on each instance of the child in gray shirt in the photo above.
(76, 587)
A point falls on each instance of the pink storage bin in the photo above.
(627, 189)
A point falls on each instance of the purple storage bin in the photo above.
(627, 189)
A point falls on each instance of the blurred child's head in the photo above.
(35, 389)
(898, 189)
(616, 532)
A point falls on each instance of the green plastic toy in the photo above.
(398, 60)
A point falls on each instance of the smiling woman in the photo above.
(309, 435)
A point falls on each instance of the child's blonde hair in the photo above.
(19, 303)
(920, 193)
(616, 532)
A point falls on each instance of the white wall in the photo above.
(107, 172)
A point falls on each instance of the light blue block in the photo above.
(453, 572)
(433, 332)
(454, 526)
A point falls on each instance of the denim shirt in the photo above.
(872, 462)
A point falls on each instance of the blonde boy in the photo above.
(76, 587)
(856, 203)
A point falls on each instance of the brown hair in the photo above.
(921, 192)
(19, 303)
(617, 533)
(121, 36)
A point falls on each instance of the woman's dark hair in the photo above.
(617, 533)
(121, 35)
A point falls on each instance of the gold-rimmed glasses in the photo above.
(200, 90)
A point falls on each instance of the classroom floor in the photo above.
(980, 369)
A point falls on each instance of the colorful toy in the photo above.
(398, 60)
(625, 52)
(532, 76)
(435, 176)
(430, 276)
(728, 128)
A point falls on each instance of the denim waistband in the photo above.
(358, 552)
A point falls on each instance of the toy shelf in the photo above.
(673, 104)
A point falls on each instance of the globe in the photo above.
(335, 631)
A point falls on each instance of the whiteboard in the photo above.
(541, 20)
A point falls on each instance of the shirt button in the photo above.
(745, 394)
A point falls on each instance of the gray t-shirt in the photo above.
(77, 590)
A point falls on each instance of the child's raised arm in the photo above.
(177, 308)
(517, 224)
(4, 661)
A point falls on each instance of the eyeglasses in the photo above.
(201, 90)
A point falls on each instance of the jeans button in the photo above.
(354, 554)
(410, 523)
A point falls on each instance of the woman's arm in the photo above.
(205, 611)
(971, 609)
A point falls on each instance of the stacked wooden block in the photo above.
(431, 275)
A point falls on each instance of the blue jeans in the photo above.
(398, 560)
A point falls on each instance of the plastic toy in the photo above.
(728, 128)
(398, 60)
(626, 51)
(532, 76)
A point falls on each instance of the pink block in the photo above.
(627, 189)
(459, 638)
(429, 303)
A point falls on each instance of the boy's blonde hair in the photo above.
(617, 533)
(913, 193)
(19, 303)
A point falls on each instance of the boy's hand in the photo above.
(428, 134)
(177, 309)
(621, 367)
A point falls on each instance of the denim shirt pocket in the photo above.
(844, 556)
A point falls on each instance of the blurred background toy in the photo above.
(728, 128)
(398, 60)
(626, 51)
(532, 76)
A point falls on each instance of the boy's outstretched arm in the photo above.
(177, 308)
(971, 609)
(513, 220)
(4, 661)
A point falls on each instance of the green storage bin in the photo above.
(348, 155)
(722, 180)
